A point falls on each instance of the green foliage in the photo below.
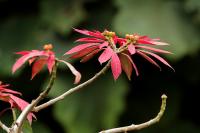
(27, 128)
(158, 18)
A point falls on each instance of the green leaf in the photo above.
(94, 108)
(158, 18)
(26, 128)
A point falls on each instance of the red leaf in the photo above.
(74, 71)
(90, 55)
(24, 58)
(23, 52)
(4, 90)
(160, 43)
(141, 41)
(80, 47)
(37, 66)
(121, 41)
(84, 52)
(7, 96)
(30, 61)
(158, 58)
(154, 49)
(105, 44)
(126, 65)
(21, 104)
(96, 34)
(92, 40)
(131, 49)
(147, 40)
(149, 59)
(106, 55)
(115, 66)
(51, 62)
(134, 66)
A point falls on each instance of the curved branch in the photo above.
(143, 125)
(72, 90)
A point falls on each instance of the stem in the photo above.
(143, 125)
(4, 127)
(19, 122)
(72, 90)
(124, 47)
(14, 114)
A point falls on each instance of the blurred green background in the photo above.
(26, 25)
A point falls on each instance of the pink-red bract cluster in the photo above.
(117, 50)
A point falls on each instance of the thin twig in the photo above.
(4, 127)
(17, 127)
(14, 114)
(72, 90)
(143, 125)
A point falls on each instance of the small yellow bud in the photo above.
(109, 33)
(48, 47)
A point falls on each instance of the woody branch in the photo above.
(133, 127)
(72, 90)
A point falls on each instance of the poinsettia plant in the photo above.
(108, 47)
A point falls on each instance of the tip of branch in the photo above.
(164, 96)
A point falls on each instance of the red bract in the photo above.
(8, 95)
(118, 50)
(98, 41)
(41, 58)
(38, 58)
(142, 45)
